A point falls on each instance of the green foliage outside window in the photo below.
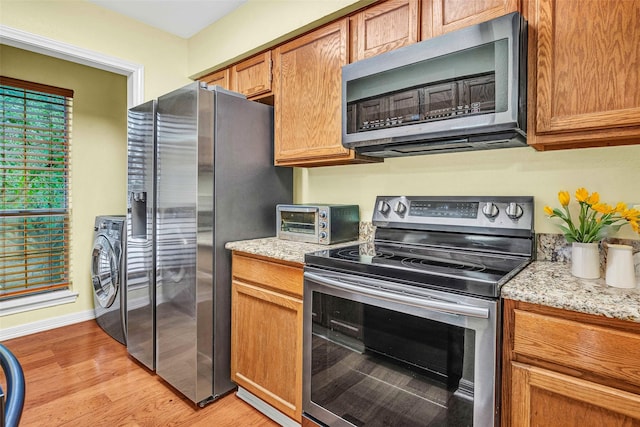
(33, 191)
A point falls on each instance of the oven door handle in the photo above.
(417, 301)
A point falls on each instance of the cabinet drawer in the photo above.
(281, 277)
(589, 348)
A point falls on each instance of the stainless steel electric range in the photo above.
(405, 330)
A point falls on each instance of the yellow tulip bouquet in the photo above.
(595, 220)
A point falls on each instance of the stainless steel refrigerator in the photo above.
(200, 174)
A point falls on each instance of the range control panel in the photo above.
(454, 212)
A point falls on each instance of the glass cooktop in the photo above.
(456, 270)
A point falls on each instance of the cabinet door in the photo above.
(384, 27)
(584, 73)
(219, 78)
(567, 368)
(266, 346)
(253, 76)
(545, 398)
(449, 15)
(308, 99)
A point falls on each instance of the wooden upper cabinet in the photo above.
(449, 15)
(252, 77)
(384, 27)
(219, 78)
(308, 98)
(584, 73)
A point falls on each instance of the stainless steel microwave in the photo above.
(464, 90)
(323, 224)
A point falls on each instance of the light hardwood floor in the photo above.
(79, 376)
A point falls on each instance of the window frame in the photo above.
(46, 227)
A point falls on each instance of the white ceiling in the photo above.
(183, 18)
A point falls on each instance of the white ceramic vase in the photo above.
(620, 271)
(585, 260)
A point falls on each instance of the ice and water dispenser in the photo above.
(138, 214)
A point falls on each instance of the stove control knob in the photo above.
(383, 207)
(490, 210)
(323, 214)
(323, 224)
(323, 234)
(400, 208)
(514, 211)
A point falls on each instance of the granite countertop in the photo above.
(551, 283)
(546, 282)
(285, 250)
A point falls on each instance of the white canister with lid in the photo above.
(620, 271)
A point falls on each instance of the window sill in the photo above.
(36, 302)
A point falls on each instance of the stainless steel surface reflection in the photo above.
(141, 271)
(177, 296)
(214, 182)
(408, 326)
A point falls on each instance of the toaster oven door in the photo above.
(298, 223)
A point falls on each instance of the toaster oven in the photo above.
(323, 224)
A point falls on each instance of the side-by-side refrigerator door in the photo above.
(141, 270)
(178, 301)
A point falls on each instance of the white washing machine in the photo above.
(108, 275)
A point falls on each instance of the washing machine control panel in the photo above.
(111, 229)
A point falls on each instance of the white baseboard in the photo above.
(265, 408)
(37, 301)
(45, 324)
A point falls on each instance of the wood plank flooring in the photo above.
(79, 376)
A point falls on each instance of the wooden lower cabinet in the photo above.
(266, 331)
(546, 398)
(562, 368)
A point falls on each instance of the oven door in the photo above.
(379, 353)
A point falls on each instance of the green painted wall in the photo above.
(85, 25)
(612, 171)
(98, 158)
(257, 25)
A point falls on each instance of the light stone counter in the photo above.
(545, 282)
(551, 284)
(285, 250)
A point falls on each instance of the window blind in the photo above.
(34, 187)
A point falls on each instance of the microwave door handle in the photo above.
(420, 301)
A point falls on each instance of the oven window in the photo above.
(376, 367)
(298, 222)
